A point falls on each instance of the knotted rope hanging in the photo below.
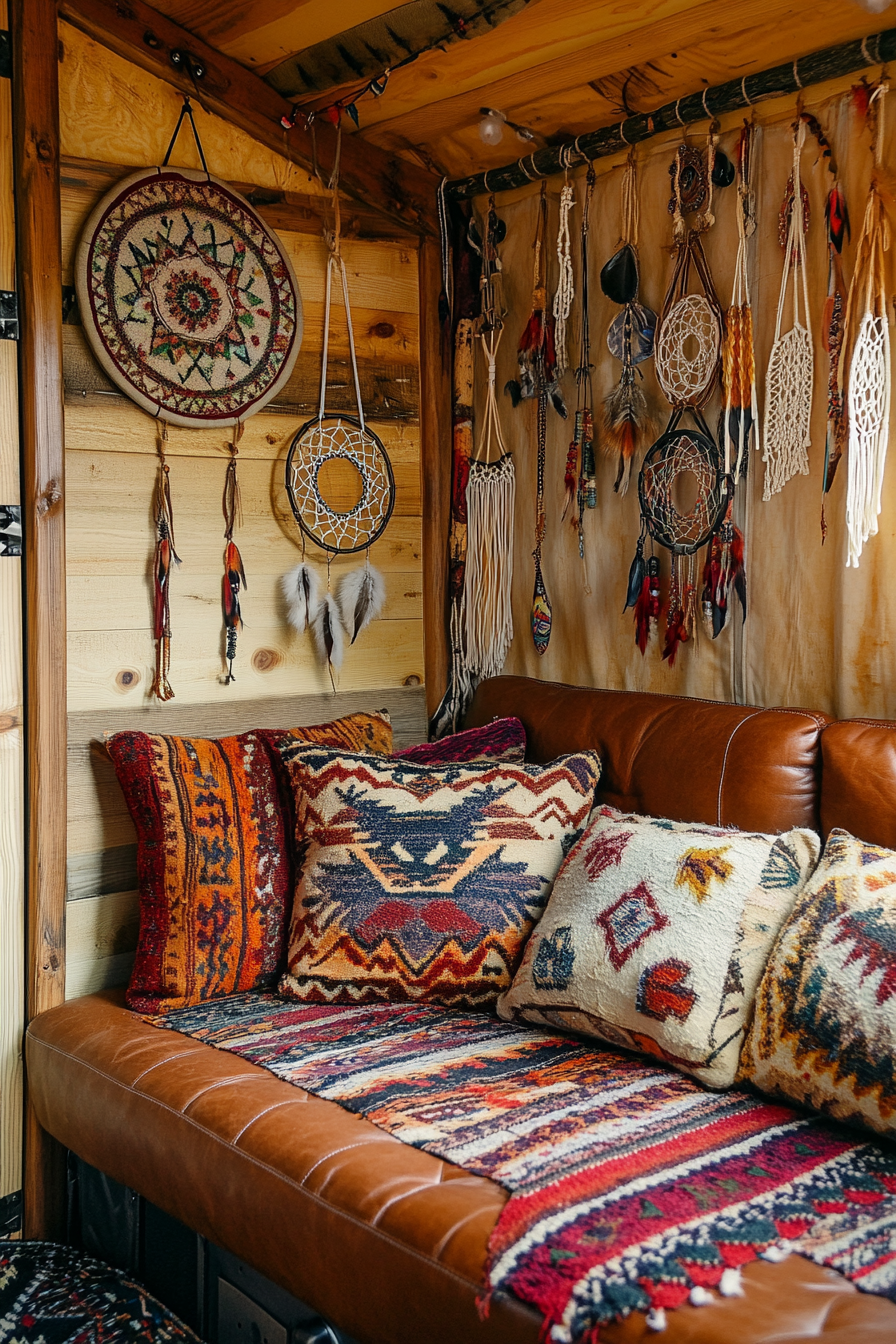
(234, 573)
(869, 370)
(491, 494)
(738, 358)
(165, 557)
(565, 291)
(789, 379)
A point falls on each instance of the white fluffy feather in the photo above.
(329, 640)
(361, 595)
(301, 588)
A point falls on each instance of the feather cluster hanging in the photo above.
(301, 590)
(165, 557)
(361, 596)
(723, 574)
(536, 352)
(234, 573)
(649, 607)
(329, 640)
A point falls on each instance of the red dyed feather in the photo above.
(676, 635)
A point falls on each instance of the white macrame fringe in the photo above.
(565, 290)
(491, 497)
(869, 432)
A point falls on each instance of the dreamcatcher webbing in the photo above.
(688, 380)
(789, 379)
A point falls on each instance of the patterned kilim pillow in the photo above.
(213, 865)
(500, 740)
(824, 1032)
(657, 934)
(421, 883)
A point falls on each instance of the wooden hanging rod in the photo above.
(832, 62)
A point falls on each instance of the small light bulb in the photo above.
(875, 6)
(491, 128)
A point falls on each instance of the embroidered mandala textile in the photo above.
(630, 1185)
(657, 934)
(189, 302)
(213, 865)
(824, 1031)
(55, 1295)
(419, 882)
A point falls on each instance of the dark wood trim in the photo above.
(435, 465)
(34, 41)
(402, 191)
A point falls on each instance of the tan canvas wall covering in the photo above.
(817, 634)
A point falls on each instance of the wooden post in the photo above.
(35, 46)
(435, 465)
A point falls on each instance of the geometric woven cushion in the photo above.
(500, 740)
(214, 870)
(824, 1032)
(657, 934)
(422, 883)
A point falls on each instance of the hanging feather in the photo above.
(301, 589)
(836, 217)
(637, 576)
(536, 352)
(625, 415)
(329, 641)
(165, 557)
(571, 475)
(234, 577)
(679, 616)
(648, 607)
(361, 595)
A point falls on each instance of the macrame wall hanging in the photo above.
(869, 367)
(740, 425)
(630, 339)
(491, 489)
(341, 441)
(565, 292)
(234, 573)
(790, 374)
(580, 479)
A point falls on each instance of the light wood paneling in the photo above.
(101, 934)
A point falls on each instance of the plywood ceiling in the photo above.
(560, 66)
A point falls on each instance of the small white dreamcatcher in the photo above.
(332, 439)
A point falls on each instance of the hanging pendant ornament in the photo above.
(234, 574)
(189, 302)
(541, 606)
(723, 575)
(789, 379)
(333, 439)
(869, 367)
(580, 479)
(536, 353)
(165, 557)
(741, 423)
(490, 491)
(630, 339)
(648, 607)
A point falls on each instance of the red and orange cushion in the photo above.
(423, 883)
(214, 869)
(500, 740)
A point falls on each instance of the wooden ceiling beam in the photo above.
(402, 191)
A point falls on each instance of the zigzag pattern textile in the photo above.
(630, 1185)
(422, 883)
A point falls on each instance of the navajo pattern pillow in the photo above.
(824, 1033)
(500, 740)
(424, 884)
(657, 934)
(214, 870)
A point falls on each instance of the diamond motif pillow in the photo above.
(421, 883)
(214, 870)
(824, 1032)
(500, 740)
(657, 934)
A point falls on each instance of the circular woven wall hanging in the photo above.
(189, 302)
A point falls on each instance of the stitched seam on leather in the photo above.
(278, 1106)
(181, 1054)
(725, 762)
(347, 1148)
(222, 1082)
(396, 1199)
(266, 1166)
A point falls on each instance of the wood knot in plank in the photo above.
(413, 680)
(9, 721)
(265, 660)
(127, 679)
(48, 498)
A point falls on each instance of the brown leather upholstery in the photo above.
(387, 1242)
(858, 780)
(667, 756)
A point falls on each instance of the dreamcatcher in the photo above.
(738, 358)
(869, 368)
(327, 439)
(234, 573)
(788, 381)
(630, 338)
(580, 478)
(491, 489)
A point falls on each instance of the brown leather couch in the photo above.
(388, 1242)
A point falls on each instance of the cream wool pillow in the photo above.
(656, 936)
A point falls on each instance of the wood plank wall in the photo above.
(114, 118)
(12, 853)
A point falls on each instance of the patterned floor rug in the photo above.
(54, 1295)
(632, 1187)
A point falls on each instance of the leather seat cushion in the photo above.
(386, 1241)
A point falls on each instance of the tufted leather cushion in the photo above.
(667, 756)
(858, 782)
(386, 1241)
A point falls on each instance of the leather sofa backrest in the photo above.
(858, 779)
(668, 756)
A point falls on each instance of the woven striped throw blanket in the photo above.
(632, 1187)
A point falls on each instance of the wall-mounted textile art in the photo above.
(189, 302)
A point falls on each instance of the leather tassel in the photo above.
(329, 640)
(165, 557)
(301, 589)
(361, 595)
